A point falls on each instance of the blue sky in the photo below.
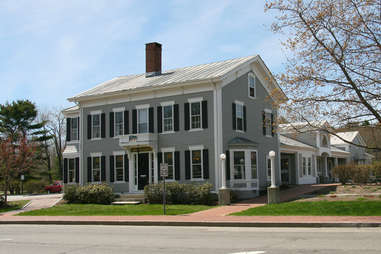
(53, 49)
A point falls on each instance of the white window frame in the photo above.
(191, 101)
(92, 168)
(268, 128)
(99, 114)
(304, 166)
(248, 175)
(121, 153)
(142, 107)
(197, 148)
(68, 170)
(169, 150)
(118, 110)
(163, 105)
(241, 104)
(309, 166)
(251, 75)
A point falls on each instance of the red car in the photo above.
(56, 187)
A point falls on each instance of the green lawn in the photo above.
(117, 210)
(14, 205)
(318, 208)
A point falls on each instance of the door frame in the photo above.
(136, 169)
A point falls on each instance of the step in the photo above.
(131, 197)
(126, 203)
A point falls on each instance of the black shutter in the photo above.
(234, 116)
(126, 167)
(244, 119)
(205, 162)
(272, 124)
(176, 117)
(134, 121)
(112, 175)
(103, 125)
(77, 170)
(177, 165)
(65, 169)
(263, 122)
(68, 127)
(89, 169)
(103, 168)
(159, 119)
(204, 114)
(111, 124)
(151, 121)
(186, 116)
(88, 126)
(187, 165)
(227, 165)
(78, 127)
(126, 123)
(159, 160)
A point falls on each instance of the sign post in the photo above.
(164, 174)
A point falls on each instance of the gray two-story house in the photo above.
(121, 130)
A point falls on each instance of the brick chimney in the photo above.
(153, 59)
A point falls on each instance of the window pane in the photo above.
(118, 123)
(269, 167)
(96, 169)
(196, 157)
(119, 169)
(253, 158)
(96, 126)
(196, 164)
(239, 124)
(168, 158)
(252, 92)
(71, 171)
(268, 124)
(167, 111)
(196, 108)
(239, 165)
(196, 171)
(143, 120)
(196, 115)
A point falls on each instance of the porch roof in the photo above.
(286, 141)
(240, 141)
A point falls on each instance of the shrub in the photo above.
(177, 193)
(360, 173)
(2, 201)
(89, 194)
(343, 172)
(35, 186)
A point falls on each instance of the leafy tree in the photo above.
(333, 72)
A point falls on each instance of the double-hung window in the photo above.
(196, 161)
(268, 164)
(119, 168)
(251, 85)
(239, 116)
(96, 169)
(143, 120)
(304, 166)
(96, 126)
(71, 171)
(253, 162)
(74, 128)
(309, 166)
(168, 118)
(195, 108)
(168, 157)
(119, 123)
(267, 123)
(239, 165)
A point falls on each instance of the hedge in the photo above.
(176, 193)
(89, 194)
(357, 173)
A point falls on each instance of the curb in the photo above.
(205, 224)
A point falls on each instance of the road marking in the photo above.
(250, 252)
(3, 240)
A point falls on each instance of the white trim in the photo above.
(247, 167)
(72, 142)
(196, 147)
(121, 152)
(197, 129)
(96, 112)
(195, 99)
(167, 103)
(70, 155)
(143, 106)
(99, 154)
(167, 149)
(269, 111)
(120, 109)
(239, 102)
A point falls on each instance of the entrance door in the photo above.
(143, 170)
(284, 169)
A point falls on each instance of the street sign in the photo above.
(163, 169)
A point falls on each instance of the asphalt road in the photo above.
(52, 239)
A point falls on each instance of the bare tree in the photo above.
(333, 72)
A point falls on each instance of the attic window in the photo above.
(251, 85)
(324, 141)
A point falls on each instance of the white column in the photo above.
(272, 158)
(156, 177)
(223, 176)
(131, 171)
